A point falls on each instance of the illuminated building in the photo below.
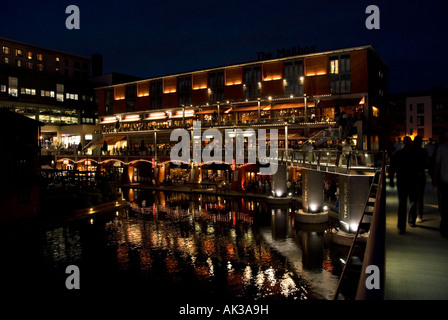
(49, 86)
(298, 95)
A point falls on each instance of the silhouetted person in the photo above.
(422, 163)
(404, 165)
(440, 181)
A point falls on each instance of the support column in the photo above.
(279, 182)
(306, 109)
(353, 195)
(312, 190)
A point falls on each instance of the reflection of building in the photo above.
(49, 86)
(19, 185)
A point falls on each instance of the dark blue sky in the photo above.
(154, 38)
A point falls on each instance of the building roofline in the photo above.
(243, 65)
(43, 48)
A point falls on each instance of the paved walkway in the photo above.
(416, 262)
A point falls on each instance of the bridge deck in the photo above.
(416, 262)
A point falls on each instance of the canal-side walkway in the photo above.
(416, 262)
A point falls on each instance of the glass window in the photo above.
(29, 55)
(39, 57)
(5, 50)
(29, 65)
(6, 60)
(420, 120)
(19, 53)
(420, 108)
(334, 66)
(19, 63)
(40, 67)
(13, 84)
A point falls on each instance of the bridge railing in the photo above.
(357, 159)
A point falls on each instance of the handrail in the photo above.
(375, 229)
(375, 249)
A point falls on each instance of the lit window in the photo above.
(29, 65)
(40, 67)
(19, 52)
(57, 60)
(3, 88)
(13, 85)
(5, 50)
(6, 60)
(39, 57)
(29, 55)
(19, 63)
(375, 112)
(334, 66)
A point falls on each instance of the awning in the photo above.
(156, 116)
(131, 118)
(180, 114)
(207, 111)
(110, 140)
(243, 109)
(109, 120)
(292, 105)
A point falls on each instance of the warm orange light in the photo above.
(199, 87)
(156, 116)
(272, 78)
(233, 83)
(109, 120)
(318, 73)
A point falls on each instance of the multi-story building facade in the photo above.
(49, 86)
(298, 95)
(421, 113)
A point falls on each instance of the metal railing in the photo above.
(374, 254)
(375, 250)
(357, 159)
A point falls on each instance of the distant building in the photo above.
(49, 86)
(19, 161)
(421, 113)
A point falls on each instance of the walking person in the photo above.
(441, 182)
(422, 164)
(404, 165)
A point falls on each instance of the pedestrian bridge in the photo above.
(358, 162)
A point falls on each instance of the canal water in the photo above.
(181, 247)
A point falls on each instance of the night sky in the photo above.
(155, 38)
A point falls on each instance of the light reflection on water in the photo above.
(238, 248)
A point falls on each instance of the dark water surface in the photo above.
(183, 247)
